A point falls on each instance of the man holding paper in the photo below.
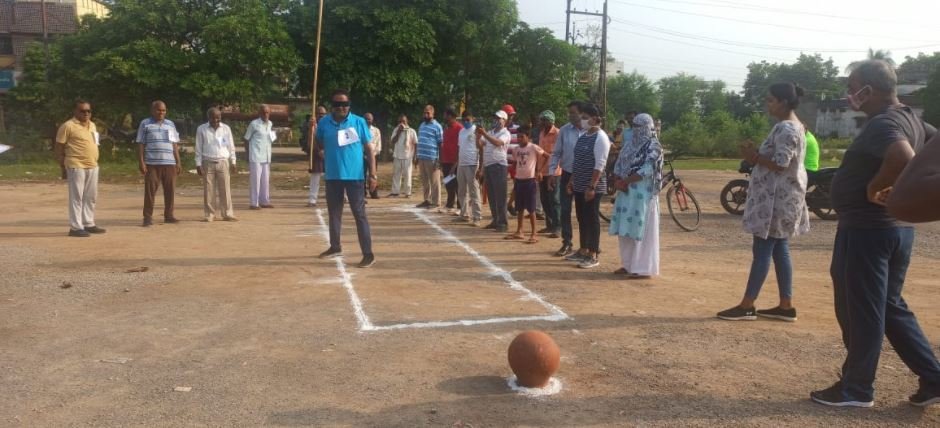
(76, 149)
(215, 156)
(159, 159)
(345, 139)
(258, 139)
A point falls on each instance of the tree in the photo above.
(190, 54)
(917, 70)
(629, 92)
(931, 97)
(819, 77)
(679, 95)
(544, 75)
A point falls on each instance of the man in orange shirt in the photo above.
(551, 198)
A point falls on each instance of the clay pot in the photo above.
(534, 358)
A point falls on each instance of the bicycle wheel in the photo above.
(683, 207)
(607, 207)
(734, 196)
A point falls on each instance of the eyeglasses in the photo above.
(340, 104)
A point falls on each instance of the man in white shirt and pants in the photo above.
(215, 156)
(404, 140)
(258, 140)
(468, 167)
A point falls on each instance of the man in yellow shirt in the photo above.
(76, 149)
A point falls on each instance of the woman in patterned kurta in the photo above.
(776, 205)
(636, 215)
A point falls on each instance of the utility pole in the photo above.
(45, 35)
(602, 79)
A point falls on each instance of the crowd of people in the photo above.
(879, 186)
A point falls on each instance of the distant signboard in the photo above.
(7, 80)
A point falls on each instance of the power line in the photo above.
(632, 56)
(745, 6)
(752, 55)
(769, 24)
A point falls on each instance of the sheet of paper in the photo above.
(173, 135)
(347, 136)
(97, 137)
(449, 178)
(4, 147)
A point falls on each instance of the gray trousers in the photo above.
(216, 189)
(495, 176)
(431, 181)
(468, 193)
(83, 191)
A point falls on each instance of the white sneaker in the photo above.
(589, 263)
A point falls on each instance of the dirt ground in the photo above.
(265, 334)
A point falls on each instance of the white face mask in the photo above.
(854, 100)
(585, 123)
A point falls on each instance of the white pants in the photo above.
(401, 171)
(642, 257)
(259, 177)
(83, 190)
(314, 187)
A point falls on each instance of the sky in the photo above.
(717, 39)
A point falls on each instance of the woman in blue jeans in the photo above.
(776, 205)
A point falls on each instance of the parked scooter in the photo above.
(734, 195)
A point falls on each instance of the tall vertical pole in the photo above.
(568, 24)
(602, 87)
(316, 76)
(45, 35)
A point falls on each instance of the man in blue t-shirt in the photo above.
(344, 138)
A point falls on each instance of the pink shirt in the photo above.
(527, 158)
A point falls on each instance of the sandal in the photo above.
(514, 236)
(622, 271)
(532, 241)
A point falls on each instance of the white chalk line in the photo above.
(366, 325)
(556, 313)
(361, 317)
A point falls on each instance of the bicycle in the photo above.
(681, 203)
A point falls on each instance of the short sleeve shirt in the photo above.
(343, 146)
(469, 152)
(158, 139)
(493, 154)
(81, 144)
(430, 137)
(260, 136)
(863, 159)
(527, 159)
(449, 148)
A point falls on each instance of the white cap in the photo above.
(502, 115)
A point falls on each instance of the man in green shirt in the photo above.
(812, 153)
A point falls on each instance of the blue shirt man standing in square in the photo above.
(345, 140)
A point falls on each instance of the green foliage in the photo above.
(631, 92)
(931, 97)
(718, 134)
(191, 54)
(679, 97)
(917, 70)
(819, 77)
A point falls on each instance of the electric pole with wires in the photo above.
(601, 97)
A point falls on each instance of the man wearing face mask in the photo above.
(563, 157)
(495, 167)
(873, 249)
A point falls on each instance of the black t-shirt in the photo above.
(862, 161)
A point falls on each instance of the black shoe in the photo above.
(545, 230)
(79, 233)
(367, 261)
(171, 220)
(392, 195)
(788, 315)
(490, 226)
(331, 253)
(95, 229)
(501, 229)
(738, 313)
(424, 204)
(834, 396)
(147, 222)
(924, 397)
(563, 251)
(375, 196)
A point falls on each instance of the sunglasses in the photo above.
(340, 104)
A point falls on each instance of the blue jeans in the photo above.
(766, 250)
(868, 271)
(355, 191)
(567, 235)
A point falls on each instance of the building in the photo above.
(21, 23)
(614, 67)
(835, 119)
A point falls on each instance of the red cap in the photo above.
(508, 109)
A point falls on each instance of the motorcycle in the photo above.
(734, 195)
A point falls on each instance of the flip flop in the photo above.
(514, 237)
(532, 241)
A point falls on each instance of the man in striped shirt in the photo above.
(159, 158)
(430, 138)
